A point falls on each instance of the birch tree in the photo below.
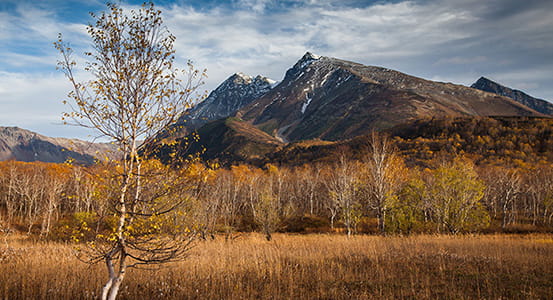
(384, 172)
(135, 94)
(342, 188)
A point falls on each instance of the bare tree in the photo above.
(503, 188)
(384, 171)
(307, 183)
(136, 93)
(342, 188)
(8, 181)
(228, 191)
(539, 190)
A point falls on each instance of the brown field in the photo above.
(300, 267)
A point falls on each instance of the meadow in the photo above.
(312, 266)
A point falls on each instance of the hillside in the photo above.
(488, 140)
(333, 99)
(23, 145)
(228, 140)
(539, 105)
(232, 94)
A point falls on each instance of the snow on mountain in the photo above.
(234, 93)
(332, 99)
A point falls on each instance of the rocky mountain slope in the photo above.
(324, 99)
(23, 145)
(228, 140)
(333, 99)
(488, 140)
(539, 105)
(234, 93)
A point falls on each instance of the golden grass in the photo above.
(302, 267)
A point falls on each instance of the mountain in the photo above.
(24, 145)
(228, 140)
(487, 140)
(333, 99)
(324, 99)
(539, 105)
(234, 93)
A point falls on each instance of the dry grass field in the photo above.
(301, 267)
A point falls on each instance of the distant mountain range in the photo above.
(319, 101)
(24, 145)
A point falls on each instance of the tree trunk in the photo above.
(111, 273)
(111, 288)
(119, 279)
(381, 215)
(268, 235)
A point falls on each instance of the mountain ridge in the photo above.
(537, 104)
(323, 99)
(24, 145)
(331, 99)
(232, 94)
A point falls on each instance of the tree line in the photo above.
(377, 193)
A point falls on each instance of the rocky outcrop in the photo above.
(539, 105)
(234, 93)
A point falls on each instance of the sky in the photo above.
(508, 41)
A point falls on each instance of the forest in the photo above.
(377, 193)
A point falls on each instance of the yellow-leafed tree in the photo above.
(135, 94)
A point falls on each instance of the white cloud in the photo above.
(34, 101)
(447, 40)
(257, 6)
(226, 41)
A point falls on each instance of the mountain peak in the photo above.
(306, 59)
(235, 92)
(483, 81)
(240, 78)
(309, 55)
(301, 65)
(332, 99)
(488, 85)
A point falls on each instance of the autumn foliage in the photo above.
(63, 201)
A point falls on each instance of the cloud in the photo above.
(447, 40)
(460, 60)
(27, 36)
(424, 38)
(34, 101)
(257, 6)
